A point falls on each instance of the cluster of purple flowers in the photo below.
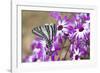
(75, 29)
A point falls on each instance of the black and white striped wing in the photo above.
(46, 32)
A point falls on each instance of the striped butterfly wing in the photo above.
(46, 32)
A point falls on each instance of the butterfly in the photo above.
(45, 32)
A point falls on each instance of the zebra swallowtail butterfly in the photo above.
(46, 32)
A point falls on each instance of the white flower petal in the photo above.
(63, 22)
(65, 30)
(53, 49)
(30, 58)
(43, 43)
(59, 22)
(36, 50)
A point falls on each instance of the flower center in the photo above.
(35, 60)
(81, 29)
(66, 34)
(76, 57)
(60, 27)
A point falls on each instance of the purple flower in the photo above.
(56, 15)
(80, 18)
(61, 24)
(85, 16)
(56, 45)
(78, 49)
(82, 30)
(38, 51)
(76, 54)
(62, 28)
(53, 55)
